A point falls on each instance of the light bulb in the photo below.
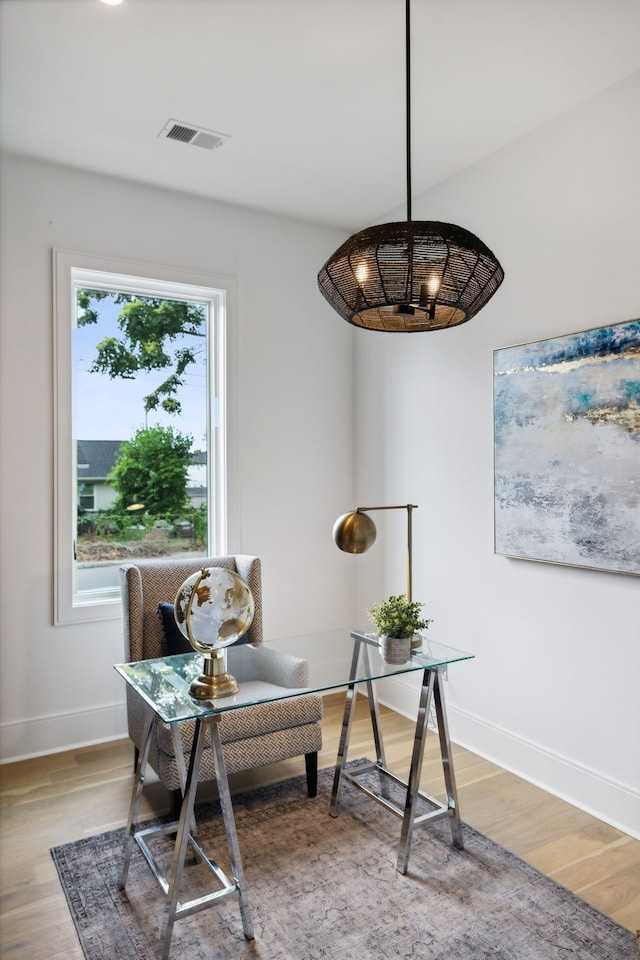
(362, 272)
(112, 3)
(433, 285)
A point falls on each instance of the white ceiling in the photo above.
(311, 92)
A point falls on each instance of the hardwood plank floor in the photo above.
(52, 800)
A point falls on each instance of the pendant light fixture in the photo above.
(413, 275)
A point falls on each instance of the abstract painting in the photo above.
(567, 449)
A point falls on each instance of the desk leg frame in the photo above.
(430, 691)
(415, 770)
(343, 746)
(230, 828)
(182, 840)
(141, 769)
(447, 765)
(185, 835)
(376, 728)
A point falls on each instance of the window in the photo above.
(141, 424)
(86, 496)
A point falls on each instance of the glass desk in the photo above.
(163, 685)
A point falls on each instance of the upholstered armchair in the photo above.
(252, 737)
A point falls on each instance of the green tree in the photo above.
(151, 468)
(149, 327)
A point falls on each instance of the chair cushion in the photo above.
(175, 641)
(243, 754)
(255, 721)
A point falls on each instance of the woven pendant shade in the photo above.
(410, 276)
(414, 275)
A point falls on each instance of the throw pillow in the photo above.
(174, 640)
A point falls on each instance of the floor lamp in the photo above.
(355, 532)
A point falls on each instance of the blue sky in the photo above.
(105, 409)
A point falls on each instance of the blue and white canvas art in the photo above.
(567, 449)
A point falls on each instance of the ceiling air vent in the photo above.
(195, 136)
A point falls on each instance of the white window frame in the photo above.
(73, 270)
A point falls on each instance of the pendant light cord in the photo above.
(408, 100)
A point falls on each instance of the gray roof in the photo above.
(96, 458)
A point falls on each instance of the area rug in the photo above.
(321, 887)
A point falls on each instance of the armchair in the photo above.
(252, 737)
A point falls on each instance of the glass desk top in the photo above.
(163, 683)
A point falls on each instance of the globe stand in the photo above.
(215, 681)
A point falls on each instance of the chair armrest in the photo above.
(283, 669)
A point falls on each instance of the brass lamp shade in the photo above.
(354, 532)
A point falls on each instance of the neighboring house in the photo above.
(197, 479)
(95, 461)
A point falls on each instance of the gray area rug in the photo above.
(321, 887)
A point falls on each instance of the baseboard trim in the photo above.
(55, 733)
(609, 800)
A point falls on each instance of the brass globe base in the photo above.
(215, 682)
(211, 688)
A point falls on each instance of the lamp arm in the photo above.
(401, 506)
(409, 507)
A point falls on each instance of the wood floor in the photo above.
(56, 799)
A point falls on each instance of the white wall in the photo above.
(553, 693)
(291, 451)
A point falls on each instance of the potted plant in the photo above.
(396, 621)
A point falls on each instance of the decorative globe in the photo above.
(213, 608)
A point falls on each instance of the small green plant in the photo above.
(398, 617)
